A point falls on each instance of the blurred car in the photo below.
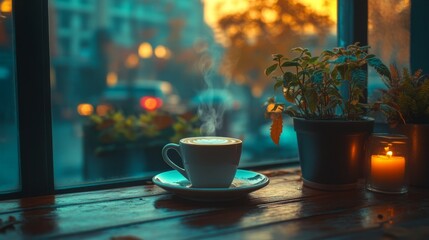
(135, 96)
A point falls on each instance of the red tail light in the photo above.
(150, 103)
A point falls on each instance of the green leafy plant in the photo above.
(406, 99)
(115, 129)
(314, 86)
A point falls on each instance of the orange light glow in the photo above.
(150, 103)
(132, 61)
(6, 6)
(269, 15)
(270, 108)
(111, 79)
(85, 109)
(103, 109)
(257, 91)
(145, 50)
(162, 52)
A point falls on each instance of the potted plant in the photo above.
(323, 96)
(117, 145)
(405, 103)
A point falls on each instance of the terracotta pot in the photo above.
(332, 154)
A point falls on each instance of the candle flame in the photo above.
(389, 153)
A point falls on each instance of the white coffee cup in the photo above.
(209, 162)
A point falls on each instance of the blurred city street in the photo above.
(69, 156)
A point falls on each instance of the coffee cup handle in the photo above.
(167, 160)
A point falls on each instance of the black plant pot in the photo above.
(418, 165)
(332, 152)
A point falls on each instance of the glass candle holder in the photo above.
(387, 164)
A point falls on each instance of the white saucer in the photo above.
(244, 182)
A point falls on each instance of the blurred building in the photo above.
(122, 39)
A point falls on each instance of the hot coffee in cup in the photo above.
(209, 162)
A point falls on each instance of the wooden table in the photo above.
(282, 210)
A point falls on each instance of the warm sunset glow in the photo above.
(145, 50)
(6, 6)
(269, 15)
(162, 52)
(111, 79)
(323, 7)
(399, 7)
(132, 61)
(85, 109)
(215, 9)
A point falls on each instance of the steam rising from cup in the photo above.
(211, 106)
(211, 117)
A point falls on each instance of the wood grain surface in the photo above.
(282, 210)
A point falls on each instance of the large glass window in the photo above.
(9, 164)
(389, 37)
(134, 75)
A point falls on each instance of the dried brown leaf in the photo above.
(276, 127)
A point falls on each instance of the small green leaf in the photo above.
(312, 100)
(364, 48)
(276, 57)
(338, 60)
(317, 76)
(379, 66)
(327, 53)
(289, 77)
(290, 110)
(307, 52)
(334, 73)
(359, 77)
(313, 59)
(290, 64)
(270, 69)
(297, 49)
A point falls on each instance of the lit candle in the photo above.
(387, 171)
(387, 163)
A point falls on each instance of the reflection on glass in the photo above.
(389, 36)
(9, 164)
(130, 76)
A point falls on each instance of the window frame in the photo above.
(32, 71)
